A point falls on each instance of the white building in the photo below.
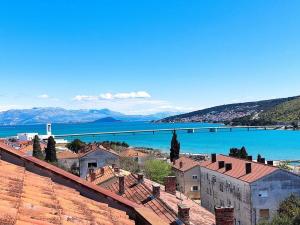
(26, 136)
(255, 190)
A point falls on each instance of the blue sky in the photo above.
(147, 56)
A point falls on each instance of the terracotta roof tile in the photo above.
(66, 155)
(238, 170)
(141, 194)
(133, 153)
(94, 147)
(198, 214)
(186, 163)
(10, 214)
(27, 198)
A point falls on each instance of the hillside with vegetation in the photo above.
(286, 112)
(266, 112)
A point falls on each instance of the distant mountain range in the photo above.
(281, 110)
(60, 115)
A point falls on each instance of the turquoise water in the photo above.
(272, 144)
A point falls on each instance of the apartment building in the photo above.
(187, 173)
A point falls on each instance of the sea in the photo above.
(271, 144)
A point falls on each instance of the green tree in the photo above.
(37, 151)
(258, 158)
(175, 148)
(76, 145)
(284, 166)
(238, 153)
(157, 170)
(288, 212)
(50, 150)
(129, 164)
(243, 153)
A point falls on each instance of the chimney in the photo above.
(156, 190)
(249, 157)
(102, 170)
(113, 165)
(213, 157)
(228, 166)
(248, 168)
(263, 160)
(92, 174)
(184, 213)
(140, 177)
(180, 164)
(121, 184)
(221, 164)
(170, 184)
(224, 215)
(270, 163)
(116, 169)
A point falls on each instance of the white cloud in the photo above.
(44, 96)
(111, 96)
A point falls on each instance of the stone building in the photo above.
(187, 172)
(97, 157)
(255, 190)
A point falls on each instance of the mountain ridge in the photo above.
(41, 115)
(247, 111)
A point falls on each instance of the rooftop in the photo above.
(142, 195)
(198, 214)
(130, 152)
(107, 174)
(238, 171)
(89, 148)
(27, 198)
(67, 154)
(10, 154)
(184, 164)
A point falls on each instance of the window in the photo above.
(221, 187)
(195, 188)
(92, 165)
(195, 177)
(264, 213)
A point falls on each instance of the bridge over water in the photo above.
(188, 130)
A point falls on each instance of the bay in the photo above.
(272, 144)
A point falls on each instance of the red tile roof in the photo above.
(141, 194)
(198, 214)
(238, 170)
(66, 155)
(142, 211)
(95, 147)
(133, 153)
(102, 177)
(186, 163)
(27, 198)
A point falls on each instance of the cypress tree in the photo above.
(175, 148)
(244, 153)
(258, 158)
(50, 150)
(37, 151)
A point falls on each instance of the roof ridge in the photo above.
(248, 160)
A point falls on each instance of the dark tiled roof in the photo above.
(238, 170)
(142, 195)
(186, 163)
